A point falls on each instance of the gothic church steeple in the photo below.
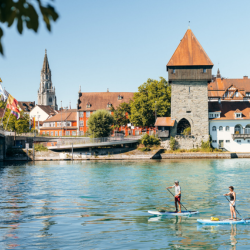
(46, 92)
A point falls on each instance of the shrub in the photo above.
(205, 145)
(145, 149)
(150, 140)
(187, 131)
(40, 147)
(172, 143)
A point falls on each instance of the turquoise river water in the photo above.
(103, 205)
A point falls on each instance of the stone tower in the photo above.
(189, 72)
(46, 92)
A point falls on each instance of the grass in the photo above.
(194, 150)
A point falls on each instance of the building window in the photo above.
(43, 133)
(214, 141)
(173, 71)
(220, 128)
(81, 114)
(47, 133)
(239, 141)
(214, 128)
(204, 70)
(227, 128)
(238, 115)
(247, 129)
(88, 105)
(120, 97)
(237, 129)
(50, 99)
(51, 133)
(81, 124)
(109, 105)
(56, 133)
(67, 132)
(87, 113)
(60, 133)
(210, 115)
(81, 133)
(74, 133)
(227, 141)
(58, 124)
(68, 124)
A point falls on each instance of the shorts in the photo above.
(231, 204)
(178, 198)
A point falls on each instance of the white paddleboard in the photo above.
(184, 213)
(223, 222)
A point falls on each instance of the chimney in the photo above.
(107, 89)
(245, 77)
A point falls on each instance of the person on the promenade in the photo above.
(232, 198)
(177, 195)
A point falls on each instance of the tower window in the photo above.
(173, 71)
(50, 99)
(204, 70)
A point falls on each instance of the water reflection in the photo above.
(92, 205)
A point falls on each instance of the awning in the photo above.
(164, 121)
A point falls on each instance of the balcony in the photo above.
(241, 136)
(163, 134)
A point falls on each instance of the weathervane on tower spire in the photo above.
(188, 25)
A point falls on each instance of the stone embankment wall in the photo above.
(185, 142)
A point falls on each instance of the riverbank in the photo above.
(121, 154)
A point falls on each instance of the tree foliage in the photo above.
(26, 12)
(151, 95)
(100, 123)
(150, 140)
(121, 114)
(20, 126)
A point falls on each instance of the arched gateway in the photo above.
(182, 125)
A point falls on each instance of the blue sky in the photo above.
(113, 44)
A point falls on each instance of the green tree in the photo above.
(151, 95)
(121, 114)
(26, 12)
(100, 123)
(20, 125)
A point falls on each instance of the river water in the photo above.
(103, 205)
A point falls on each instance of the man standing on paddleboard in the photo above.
(177, 195)
(232, 198)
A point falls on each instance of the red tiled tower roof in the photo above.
(189, 53)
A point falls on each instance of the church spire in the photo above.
(45, 68)
(218, 74)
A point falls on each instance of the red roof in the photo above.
(228, 109)
(164, 121)
(100, 100)
(65, 115)
(189, 53)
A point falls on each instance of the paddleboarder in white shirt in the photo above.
(177, 195)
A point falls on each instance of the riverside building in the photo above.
(209, 105)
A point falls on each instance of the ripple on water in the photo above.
(103, 205)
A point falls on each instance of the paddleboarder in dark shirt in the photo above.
(177, 188)
(232, 198)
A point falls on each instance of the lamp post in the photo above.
(38, 127)
(61, 118)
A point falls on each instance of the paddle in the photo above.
(236, 210)
(174, 196)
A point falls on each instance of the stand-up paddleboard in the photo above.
(184, 213)
(223, 222)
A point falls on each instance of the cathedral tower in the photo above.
(46, 92)
(189, 72)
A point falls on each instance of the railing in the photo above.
(241, 136)
(87, 140)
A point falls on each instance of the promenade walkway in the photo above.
(79, 143)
